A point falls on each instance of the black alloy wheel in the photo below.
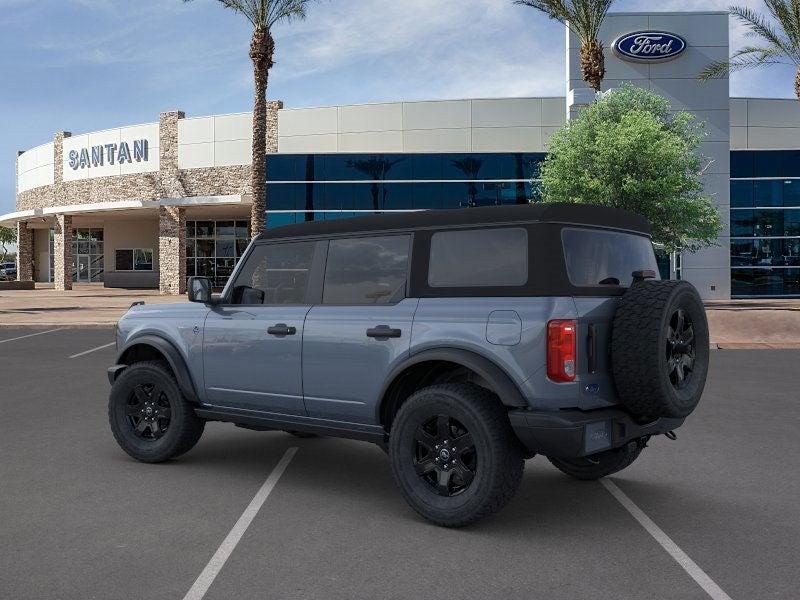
(453, 453)
(148, 411)
(445, 455)
(680, 349)
(149, 416)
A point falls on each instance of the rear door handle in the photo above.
(383, 332)
(281, 329)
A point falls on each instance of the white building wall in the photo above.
(87, 141)
(480, 125)
(706, 34)
(765, 124)
(35, 167)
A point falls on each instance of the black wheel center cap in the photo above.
(149, 411)
(444, 454)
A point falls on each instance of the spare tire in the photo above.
(659, 348)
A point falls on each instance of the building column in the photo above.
(24, 252)
(171, 250)
(62, 253)
(169, 175)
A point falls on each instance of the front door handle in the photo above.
(383, 332)
(281, 329)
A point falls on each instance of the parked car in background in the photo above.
(8, 271)
(462, 342)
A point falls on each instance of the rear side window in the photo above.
(370, 270)
(275, 274)
(596, 257)
(479, 258)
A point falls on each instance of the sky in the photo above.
(86, 65)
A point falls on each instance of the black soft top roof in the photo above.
(573, 214)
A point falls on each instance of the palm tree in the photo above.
(584, 19)
(780, 42)
(262, 15)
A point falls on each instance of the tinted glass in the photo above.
(479, 258)
(741, 194)
(123, 260)
(594, 256)
(742, 164)
(768, 193)
(280, 271)
(369, 270)
(765, 282)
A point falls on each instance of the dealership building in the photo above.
(148, 205)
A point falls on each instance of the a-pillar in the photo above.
(24, 252)
(62, 253)
(171, 250)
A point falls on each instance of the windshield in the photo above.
(597, 257)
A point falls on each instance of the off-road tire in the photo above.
(599, 465)
(641, 354)
(498, 461)
(184, 427)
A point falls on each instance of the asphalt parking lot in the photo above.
(79, 519)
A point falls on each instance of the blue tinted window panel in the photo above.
(767, 223)
(278, 219)
(464, 167)
(397, 196)
(532, 163)
(742, 194)
(742, 164)
(428, 195)
(768, 193)
(791, 222)
(768, 164)
(791, 192)
(426, 166)
(790, 163)
(742, 223)
(742, 253)
(281, 167)
(455, 195)
(282, 196)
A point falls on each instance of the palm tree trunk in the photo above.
(797, 84)
(262, 48)
(593, 64)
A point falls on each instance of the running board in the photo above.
(353, 431)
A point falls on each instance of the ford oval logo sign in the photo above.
(649, 46)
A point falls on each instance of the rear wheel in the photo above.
(599, 465)
(454, 455)
(149, 417)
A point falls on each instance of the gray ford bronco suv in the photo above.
(463, 342)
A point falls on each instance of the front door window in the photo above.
(88, 264)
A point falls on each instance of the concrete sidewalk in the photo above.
(733, 324)
(87, 305)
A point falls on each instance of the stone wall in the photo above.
(62, 253)
(172, 249)
(24, 252)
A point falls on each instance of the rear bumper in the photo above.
(576, 433)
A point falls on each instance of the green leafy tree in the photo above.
(8, 236)
(628, 151)
(778, 40)
(584, 19)
(263, 15)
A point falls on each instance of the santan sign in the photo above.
(97, 156)
(649, 46)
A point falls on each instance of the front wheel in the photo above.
(149, 417)
(454, 455)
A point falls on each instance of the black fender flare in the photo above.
(173, 357)
(497, 378)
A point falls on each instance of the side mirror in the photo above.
(199, 289)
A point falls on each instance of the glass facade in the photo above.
(88, 263)
(307, 187)
(765, 223)
(214, 247)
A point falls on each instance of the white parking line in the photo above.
(22, 337)
(206, 578)
(688, 565)
(84, 353)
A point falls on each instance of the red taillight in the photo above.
(561, 346)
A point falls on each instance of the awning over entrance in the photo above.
(11, 219)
